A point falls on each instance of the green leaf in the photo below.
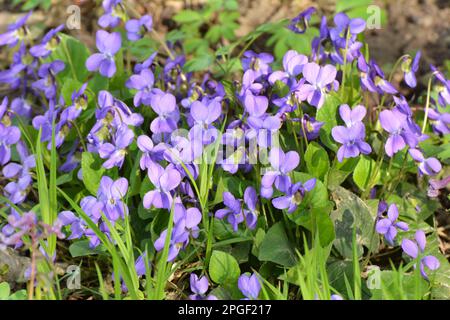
(280, 88)
(143, 48)
(223, 268)
(342, 5)
(316, 201)
(389, 288)
(327, 114)
(352, 212)
(199, 63)
(74, 53)
(92, 171)
(81, 249)
(188, 16)
(276, 247)
(364, 171)
(69, 86)
(317, 161)
(19, 295)
(339, 172)
(4, 291)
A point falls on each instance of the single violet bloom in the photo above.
(111, 193)
(311, 127)
(300, 23)
(293, 64)
(399, 133)
(16, 32)
(352, 140)
(108, 44)
(8, 137)
(115, 152)
(143, 83)
(436, 185)
(249, 286)
(428, 166)
(199, 286)
(388, 226)
(136, 27)
(319, 79)
(352, 116)
(164, 180)
(48, 43)
(281, 165)
(409, 68)
(439, 121)
(114, 13)
(259, 63)
(294, 195)
(233, 211)
(164, 104)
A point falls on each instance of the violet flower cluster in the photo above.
(170, 120)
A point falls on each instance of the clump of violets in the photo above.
(168, 140)
(108, 204)
(21, 226)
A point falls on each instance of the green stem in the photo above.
(427, 105)
(344, 66)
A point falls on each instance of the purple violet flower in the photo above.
(311, 127)
(249, 286)
(164, 104)
(428, 166)
(319, 81)
(399, 133)
(436, 185)
(143, 82)
(113, 13)
(416, 248)
(259, 63)
(352, 140)
(409, 68)
(16, 32)
(293, 64)
(136, 27)
(281, 165)
(108, 44)
(164, 180)
(388, 226)
(439, 121)
(235, 211)
(199, 286)
(48, 43)
(8, 137)
(299, 24)
(294, 195)
(115, 152)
